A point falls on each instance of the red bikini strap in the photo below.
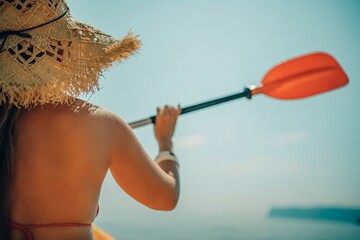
(47, 225)
(25, 229)
(28, 235)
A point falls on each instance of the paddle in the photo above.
(296, 78)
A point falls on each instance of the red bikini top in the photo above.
(25, 229)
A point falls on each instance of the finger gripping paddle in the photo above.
(300, 77)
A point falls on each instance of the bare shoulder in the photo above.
(86, 112)
(97, 113)
(80, 116)
(77, 110)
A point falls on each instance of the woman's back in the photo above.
(62, 158)
(63, 153)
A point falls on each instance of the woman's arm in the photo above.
(154, 185)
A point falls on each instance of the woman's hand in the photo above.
(164, 127)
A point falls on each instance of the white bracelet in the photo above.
(167, 156)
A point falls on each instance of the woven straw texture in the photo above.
(62, 59)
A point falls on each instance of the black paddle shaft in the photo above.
(246, 93)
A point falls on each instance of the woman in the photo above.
(56, 149)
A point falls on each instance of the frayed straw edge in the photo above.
(123, 49)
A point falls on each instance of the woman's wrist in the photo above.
(165, 146)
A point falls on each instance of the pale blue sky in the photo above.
(240, 158)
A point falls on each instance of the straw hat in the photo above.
(46, 56)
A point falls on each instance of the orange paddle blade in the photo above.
(304, 76)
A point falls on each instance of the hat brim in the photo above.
(61, 61)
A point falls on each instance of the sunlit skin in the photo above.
(63, 155)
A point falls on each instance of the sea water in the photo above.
(266, 229)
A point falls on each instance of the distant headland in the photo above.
(348, 215)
